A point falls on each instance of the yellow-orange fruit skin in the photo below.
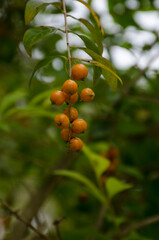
(71, 98)
(65, 134)
(87, 95)
(73, 113)
(62, 121)
(70, 87)
(79, 126)
(79, 72)
(76, 144)
(57, 98)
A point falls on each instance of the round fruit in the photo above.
(62, 121)
(65, 134)
(70, 87)
(57, 98)
(73, 113)
(71, 98)
(79, 126)
(87, 95)
(76, 144)
(79, 72)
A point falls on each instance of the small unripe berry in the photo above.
(87, 95)
(57, 98)
(79, 72)
(71, 98)
(73, 113)
(65, 134)
(62, 121)
(70, 87)
(79, 126)
(76, 144)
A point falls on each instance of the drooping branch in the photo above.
(26, 223)
(56, 225)
(141, 224)
(67, 39)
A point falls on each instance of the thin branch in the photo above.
(56, 224)
(136, 226)
(145, 98)
(67, 40)
(28, 225)
(100, 218)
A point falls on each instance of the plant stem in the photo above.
(69, 58)
(28, 224)
(67, 40)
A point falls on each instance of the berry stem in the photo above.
(69, 57)
(67, 40)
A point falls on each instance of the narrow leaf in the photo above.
(43, 63)
(30, 112)
(96, 75)
(82, 179)
(88, 43)
(99, 163)
(34, 6)
(108, 70)
(115, 186)
(92, 30)
(94, 15)
(11, 99)
(34, 35)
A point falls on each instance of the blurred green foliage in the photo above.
(126, 121)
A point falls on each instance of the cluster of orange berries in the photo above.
(69, 122)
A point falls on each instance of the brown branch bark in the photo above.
(19, 230)
(23, 221)
(136, 226)
(67, 39)
(57, 227)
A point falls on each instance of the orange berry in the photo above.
(70, 87)
(73, 113)
(79, 126)
(76, 144)
(62, 121)
(79, 72)
(71, 98)
(87, 95)
(57, 98)
(65, 134)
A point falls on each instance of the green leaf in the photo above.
(88, 43)
(41, 96)
(108, 70)
(11, 99)
(4, 126)
(99, 163)
(43, 63)
(30, 112)
(34, 35)
(94, 33)
(82, 179)
(115, 186)
(92, 30)
(34, 6)
(96, 75)
(136, 236)
(94, 15)
(131, 171)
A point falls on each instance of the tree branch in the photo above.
(136, 226)
(27, 224)
(39, 197)
(67, 40)
(56, 225)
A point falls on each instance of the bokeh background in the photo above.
(126, 121)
